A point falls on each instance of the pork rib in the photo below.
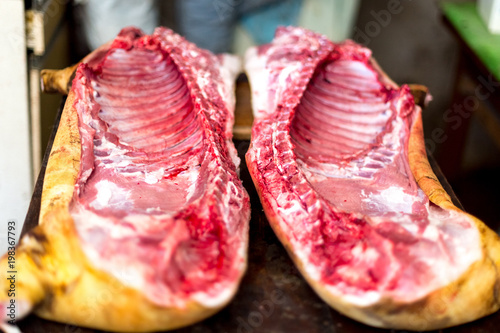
(337, 157)
(143, 222)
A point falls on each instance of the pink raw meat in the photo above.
(158, 203)
(329, 157)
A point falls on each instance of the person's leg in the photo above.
(260, 18)
(208, 23)
(245, 6)
(103, 19)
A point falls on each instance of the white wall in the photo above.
(15, 162)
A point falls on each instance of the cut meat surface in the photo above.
(146, 140)
(158, 202)
(329, 157)
(350, 147)
(143, 219)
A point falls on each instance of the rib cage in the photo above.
(341, 114)
(158, 190)
(157, 117)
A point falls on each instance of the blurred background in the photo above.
(414, 42)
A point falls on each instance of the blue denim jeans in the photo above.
(210, 23)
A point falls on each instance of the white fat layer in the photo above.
(288, 72)
(258, 75)
(293, 208)
(193, 181)
(391, 199)
(116, 154)
(349, 67)
(109, 194)
(233, 154)
(211, 301)
(154, 177)
(231, 67)
(368, 298)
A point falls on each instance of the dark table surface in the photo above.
(273, 297)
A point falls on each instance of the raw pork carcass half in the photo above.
(338, 159)
(144, 222)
